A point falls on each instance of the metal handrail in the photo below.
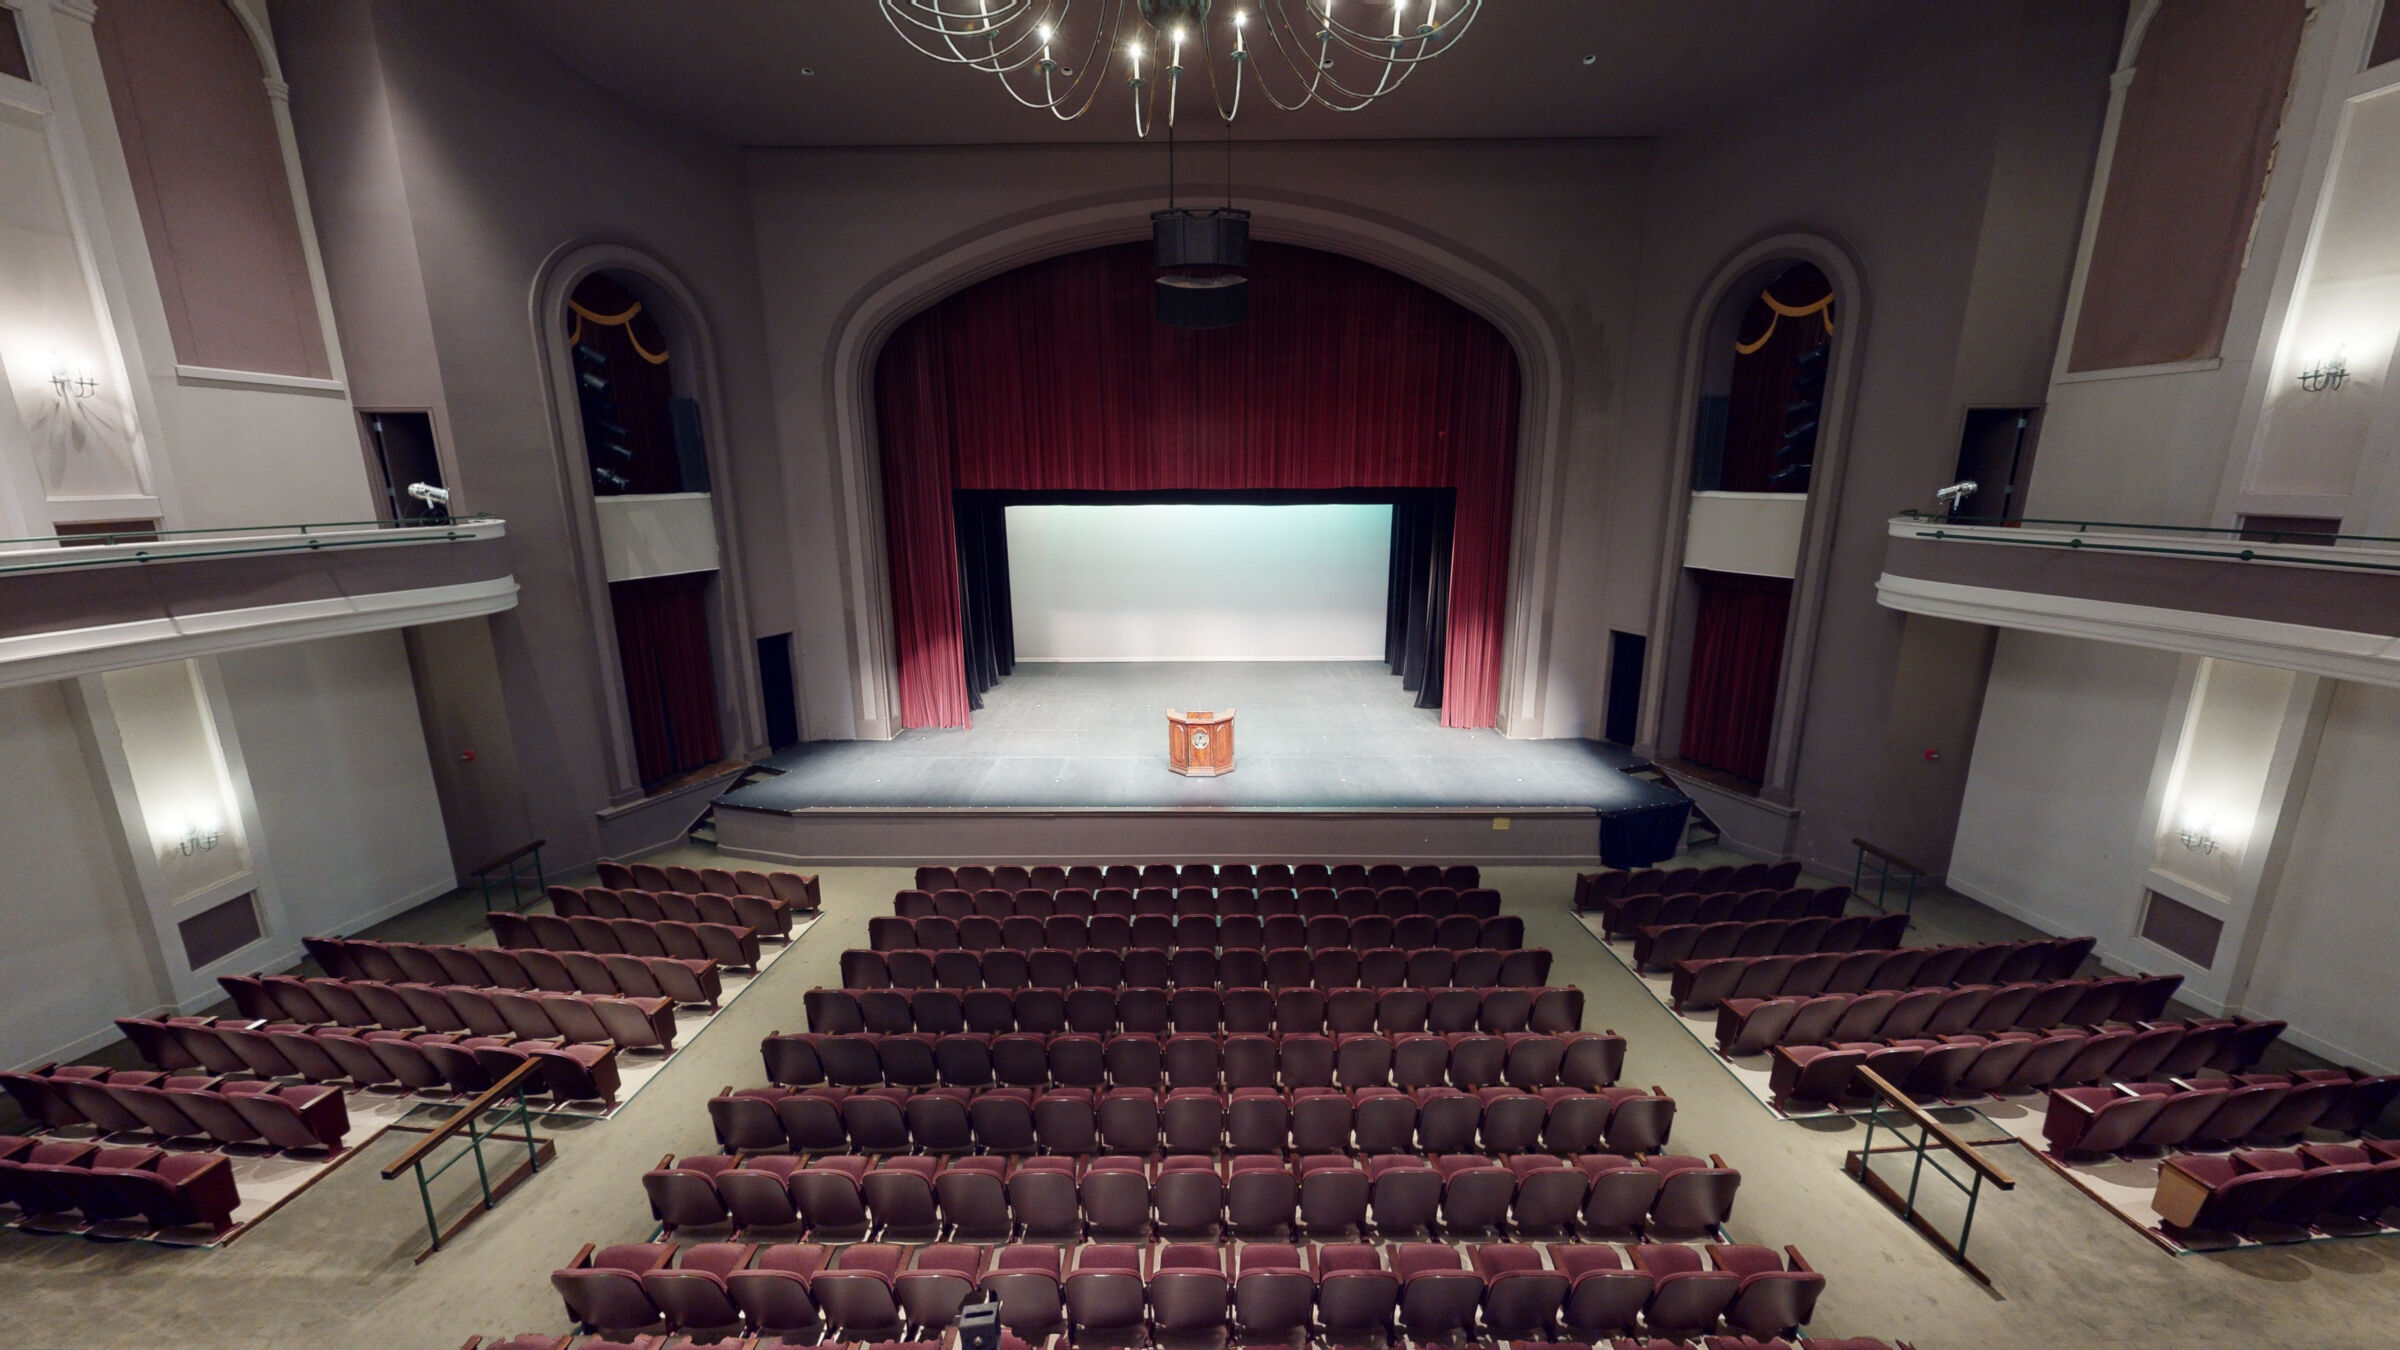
(2085, 526)
(2079, 545)
(68, 558)
(1930, 1133)
(1885, 861)
(300, 527)
(463, 1121)
(450, 1128)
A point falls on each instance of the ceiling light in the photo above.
(1307, 55)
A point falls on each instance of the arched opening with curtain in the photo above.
(1762, 397)
(645, 460)
(1054, 379)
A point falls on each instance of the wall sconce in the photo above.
(2330, 373)
(74, 383)
(2200, 838)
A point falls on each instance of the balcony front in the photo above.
(2326, 605)
(94, 603)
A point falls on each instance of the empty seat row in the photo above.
(726, 944)
(1122, 902)
(1013, 877)
(771, 918)
(1072, 1122)
(988, 1198)
(1196, 967)
(2261, 1110)
(797, 889)
(1592, 888)
(1116, 1293)
(1750, 1025)
(1157, 1011)
(1701, 984)
(1627, 916)
(49, 1179)
(2334, 1189)
(1206, 932)
(576, 1019)
(683, 979)
(1964, 1068)
(302, 1118)
(1408, 1059)
(1661, 945)
(439, 1062)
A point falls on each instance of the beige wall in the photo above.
(455, 171)
(337, 765)
(1948, 155)
(2051, 828)
(77, 930)
(2330, 938)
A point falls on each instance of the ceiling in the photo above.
(732, 70)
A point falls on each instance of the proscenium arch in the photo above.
(1752, 265)
(1533, 330)
(739, 709)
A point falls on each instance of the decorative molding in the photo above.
(39, 657)
(259, 379)
(2200, 367)
(278, 90)
(25, 95)
(82, 11)
(2364, 658)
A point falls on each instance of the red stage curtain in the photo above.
(1737, 656)
(1769, 342)
(1055, 376)
(670, 692)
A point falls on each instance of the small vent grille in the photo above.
(219, 931)
(2182, 929)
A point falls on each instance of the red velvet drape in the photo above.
(670, 691)
(1758, 410)
(1737, 656)
(1055, 376)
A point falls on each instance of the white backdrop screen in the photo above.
(1199, 582)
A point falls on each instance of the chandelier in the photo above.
(1060, 54)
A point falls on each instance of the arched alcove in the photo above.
(1769, 373)
(1532, 331)
(1054, 376)
(631, 365)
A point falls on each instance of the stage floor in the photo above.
(1310, 735)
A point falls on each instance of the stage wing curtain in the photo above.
(988, 620)
(1416, 614)
(1737, 657)
(1055, 377)
(670, 691)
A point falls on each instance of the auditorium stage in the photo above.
(1069, 760)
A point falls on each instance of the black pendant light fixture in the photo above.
(1201, 254)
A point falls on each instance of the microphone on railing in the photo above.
(435, 497)
(1951, 496)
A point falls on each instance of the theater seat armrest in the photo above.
(1796, 1261)
(583, 1258)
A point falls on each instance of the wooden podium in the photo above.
(1200, 744)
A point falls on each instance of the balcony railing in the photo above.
(52, 553)
(2224, 544)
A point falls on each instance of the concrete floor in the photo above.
(335, 1266)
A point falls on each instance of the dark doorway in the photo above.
(1626, 654)
(402, 445)
(1995, 452)
(776, 689)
